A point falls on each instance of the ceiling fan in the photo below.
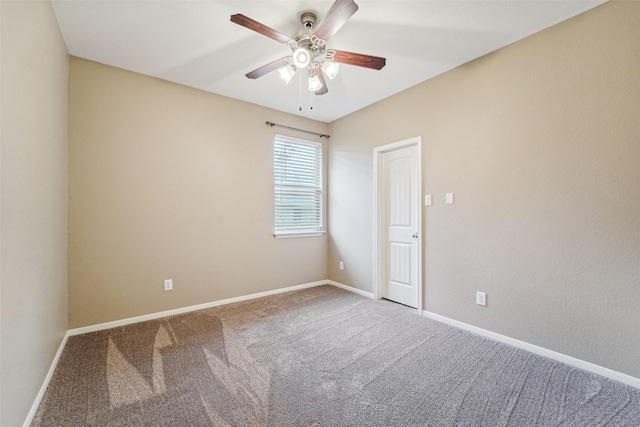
(308, 46)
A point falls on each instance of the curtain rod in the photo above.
(321, 135)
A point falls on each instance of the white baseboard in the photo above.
(45, 384)
(182, 310)
(572, 361)
(350, 289)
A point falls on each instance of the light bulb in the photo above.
(330, 68)
(287, 73)
(314, 83)
(301, 57)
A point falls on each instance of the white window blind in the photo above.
(298, 186)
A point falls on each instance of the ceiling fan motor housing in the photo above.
(305, 40)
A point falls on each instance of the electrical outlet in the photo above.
(341, 265)
(481, 299)
(168, 284)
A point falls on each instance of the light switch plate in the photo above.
(427, 200)
(449, 198)
(481, 299)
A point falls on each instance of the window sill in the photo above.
(293, 234)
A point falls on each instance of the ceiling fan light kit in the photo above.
(331, 69)
(302, 57)
(287, 72)
(314, 83)
(308, 46)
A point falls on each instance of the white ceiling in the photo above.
(194, 43)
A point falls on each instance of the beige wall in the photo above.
(34, 202)
(540, 143)
(171, 182)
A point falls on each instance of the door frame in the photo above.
(378, 248)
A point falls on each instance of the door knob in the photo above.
(415, 235)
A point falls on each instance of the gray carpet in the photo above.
(318, 357)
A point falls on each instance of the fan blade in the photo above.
(266, 69)
(338, 14)
(259, 28)
(324, 89)
(360, 60)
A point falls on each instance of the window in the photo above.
(297, 166)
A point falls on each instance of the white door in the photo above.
(400, 211)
